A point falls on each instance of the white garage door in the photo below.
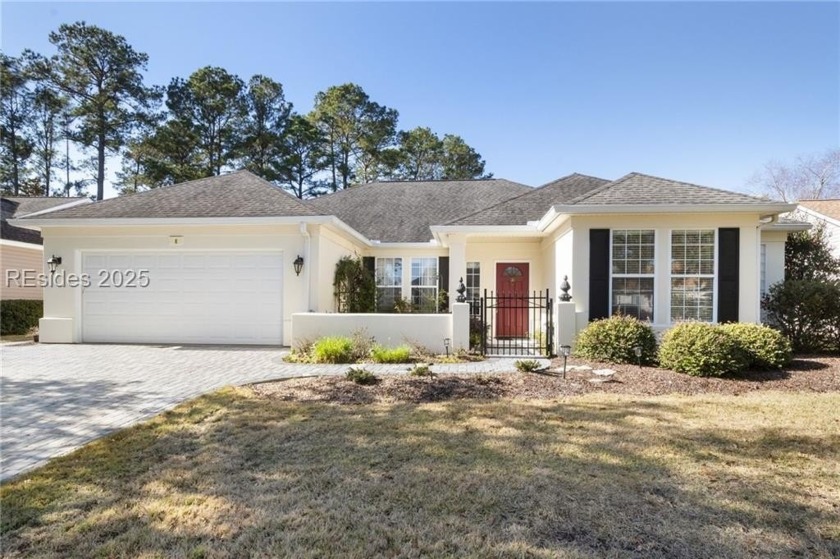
(191, 297)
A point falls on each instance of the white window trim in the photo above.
(714, 276)
(654, 275)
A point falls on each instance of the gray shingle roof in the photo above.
(239, 194)
(532, 205)
(647, 190)
(404, 211)
(19, 206)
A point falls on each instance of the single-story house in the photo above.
(21, 249)
(231, 259)
(825, 213)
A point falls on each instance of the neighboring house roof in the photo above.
(18, 206)
(239, 194)
(404, 211)
(532, 205)
(646, 190)
(829, 208)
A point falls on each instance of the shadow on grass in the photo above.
(231, 475)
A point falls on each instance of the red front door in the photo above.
(512, 300)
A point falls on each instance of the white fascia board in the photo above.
(432, 244)
(151, 221)
(786, 227)
(19, 244)
(60, 207)
(343, 228)
(487, 230)
(817, 215)
(582, 209)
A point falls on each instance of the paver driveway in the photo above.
(55, 398)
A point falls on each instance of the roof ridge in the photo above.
(598, 190)
(357, 187)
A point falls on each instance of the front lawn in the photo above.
(243, 474)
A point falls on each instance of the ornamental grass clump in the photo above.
(333, 350)
(701, 349)
(765, 347)
(401, 354)
(615, 339)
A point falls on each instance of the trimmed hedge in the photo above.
(19, 316)
(614, 340)
(701, 349)
(765, 347)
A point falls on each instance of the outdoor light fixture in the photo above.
(638, 351)
(446, 342)
(565, 351)
(298, 264)
(53, 263)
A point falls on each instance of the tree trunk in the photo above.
(100, 167)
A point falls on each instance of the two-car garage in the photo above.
(183, 297)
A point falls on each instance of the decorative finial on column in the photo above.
(461, 298)
(565, 287)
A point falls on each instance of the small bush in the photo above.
(333, 350)
(19, 316)
(361, 376)
(420, 370)
(476, 329)
(363, 344)
(765, 347)
(527, 365)
(400, 354)
(701, 349)
(614, 340)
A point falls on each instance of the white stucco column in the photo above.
(566, 324)
(457, 266)
(460, 326)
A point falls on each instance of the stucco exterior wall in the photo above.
(749, 261)
(63, 304)
(15, 258)
(490, 251)
(326, 250)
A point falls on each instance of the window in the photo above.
(692, 275)
(473, 293)
(633, 266)
(424, 284)
(388, 283)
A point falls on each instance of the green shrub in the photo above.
(614, 340)
(400, 354)
(19, 316)
(765, 347)
(361, 376)
(701, 349)
(476, 330)
(807, 312)
(333, 350)
(527, 365)
(363, 344)
(420, 370)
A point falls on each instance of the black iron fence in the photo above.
(517, 324)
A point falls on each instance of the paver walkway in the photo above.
(56, 398)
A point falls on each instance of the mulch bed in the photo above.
(805, 374)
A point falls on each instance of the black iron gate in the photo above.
(517, 325)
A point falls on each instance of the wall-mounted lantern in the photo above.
(298, 264)
(54, 262)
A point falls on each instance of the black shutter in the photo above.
(599, 273)
(369, 264)
(728, 264)
(443, 273)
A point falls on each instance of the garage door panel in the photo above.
(208, 297)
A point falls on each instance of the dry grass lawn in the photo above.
(237, 474)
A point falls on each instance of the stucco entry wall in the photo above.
(62, 305)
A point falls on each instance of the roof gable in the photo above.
(403, 211)
(637, 189)
(828, 207)
(19, 206)
(532, 205)
(238, 194)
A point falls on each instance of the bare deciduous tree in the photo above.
(809, 177)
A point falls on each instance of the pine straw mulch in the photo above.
(805, 374)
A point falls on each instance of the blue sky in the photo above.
(700, 92)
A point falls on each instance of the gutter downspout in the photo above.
(308, 264)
